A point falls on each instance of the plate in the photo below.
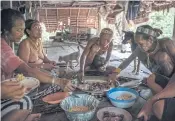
(131, 84)
(29, 82)
(55, 98)
(117, 111)
(90, 80)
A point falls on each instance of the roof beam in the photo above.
(68, 8)
(72, 3)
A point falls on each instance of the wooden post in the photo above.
(77, 23)
(87, 19)
(11, 4)
(174, 30)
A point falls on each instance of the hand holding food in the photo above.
(65, 84)
(12, 90)
(20, 77)
(112, 77)
(102, 68)
(81, 77)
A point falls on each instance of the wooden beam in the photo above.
(40, 4)
(11, 4)
(72, 3)
(68, 8)
(174, 30)
(77, 23)
(88, 13)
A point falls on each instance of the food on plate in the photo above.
(111, 116)
(97, 86)
(124, 97)
(79, 109)
(20, 77)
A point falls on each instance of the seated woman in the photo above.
(31, 49)
(14, 105)
(92, 55)
(158, 55)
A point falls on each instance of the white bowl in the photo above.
(113, 93)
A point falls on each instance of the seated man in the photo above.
(161, 104)
(158, 55)
(92, 55)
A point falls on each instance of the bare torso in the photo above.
(35, 54)
(95, 49)
(162, 61)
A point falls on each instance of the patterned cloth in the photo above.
(10, 105)
(9, 61)
(133, 9)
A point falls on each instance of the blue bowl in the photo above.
(113, 93)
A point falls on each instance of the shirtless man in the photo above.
(97, 46)
(158, 55)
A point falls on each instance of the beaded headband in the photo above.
(146, 31)
(107, 31)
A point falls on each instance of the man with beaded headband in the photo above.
(158, 55)
(92, 55)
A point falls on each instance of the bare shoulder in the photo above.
(92, 41)
(166, 42)
(24, 45)
(24, 42)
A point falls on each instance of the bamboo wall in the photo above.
(79, 19)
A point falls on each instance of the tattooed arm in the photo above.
(167, 62)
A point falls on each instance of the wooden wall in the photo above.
(79, 19)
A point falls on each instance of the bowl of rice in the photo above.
(122, 97)
(80, 109)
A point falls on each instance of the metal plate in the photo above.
(94, 79)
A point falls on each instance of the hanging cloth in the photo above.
(133, 10)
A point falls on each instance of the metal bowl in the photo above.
(83, 100)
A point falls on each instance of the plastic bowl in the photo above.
(113, 93)
(83, 100)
